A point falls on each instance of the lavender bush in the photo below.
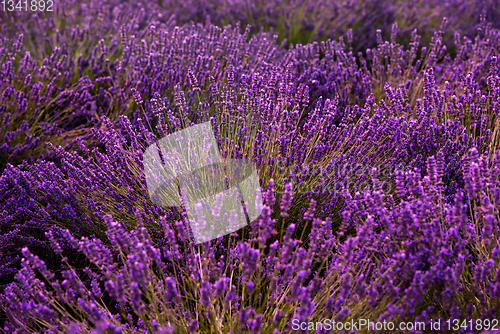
(375, 140)
(440, 252)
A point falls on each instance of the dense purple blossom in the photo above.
(375, 133)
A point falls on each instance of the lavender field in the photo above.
(374, 127)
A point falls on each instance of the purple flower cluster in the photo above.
(85, 90)
(439, 251)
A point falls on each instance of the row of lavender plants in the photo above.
(89, 251)
(296, 21)
(419, 259)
